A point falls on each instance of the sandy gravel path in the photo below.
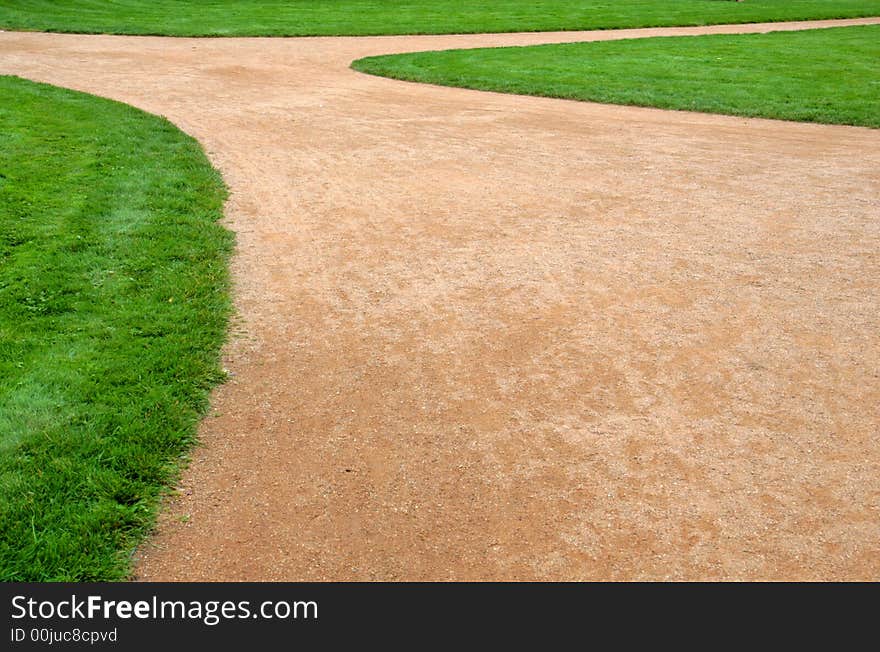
(497, 337)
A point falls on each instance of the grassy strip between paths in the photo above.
(113, 306)
(821, 75)
(366, 17)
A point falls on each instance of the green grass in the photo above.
(113, 306)
(821, 75)
(365, 17)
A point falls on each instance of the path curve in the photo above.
(486, 336)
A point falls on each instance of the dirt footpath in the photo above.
(495, 337)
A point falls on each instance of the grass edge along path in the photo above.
(114, 303)
(829, 75)
(383, 17)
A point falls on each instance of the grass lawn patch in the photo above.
(365, 17)
(113, 306)
(821, 75)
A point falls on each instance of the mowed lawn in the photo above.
(365, 17)
(113, 306)
(821, 75)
